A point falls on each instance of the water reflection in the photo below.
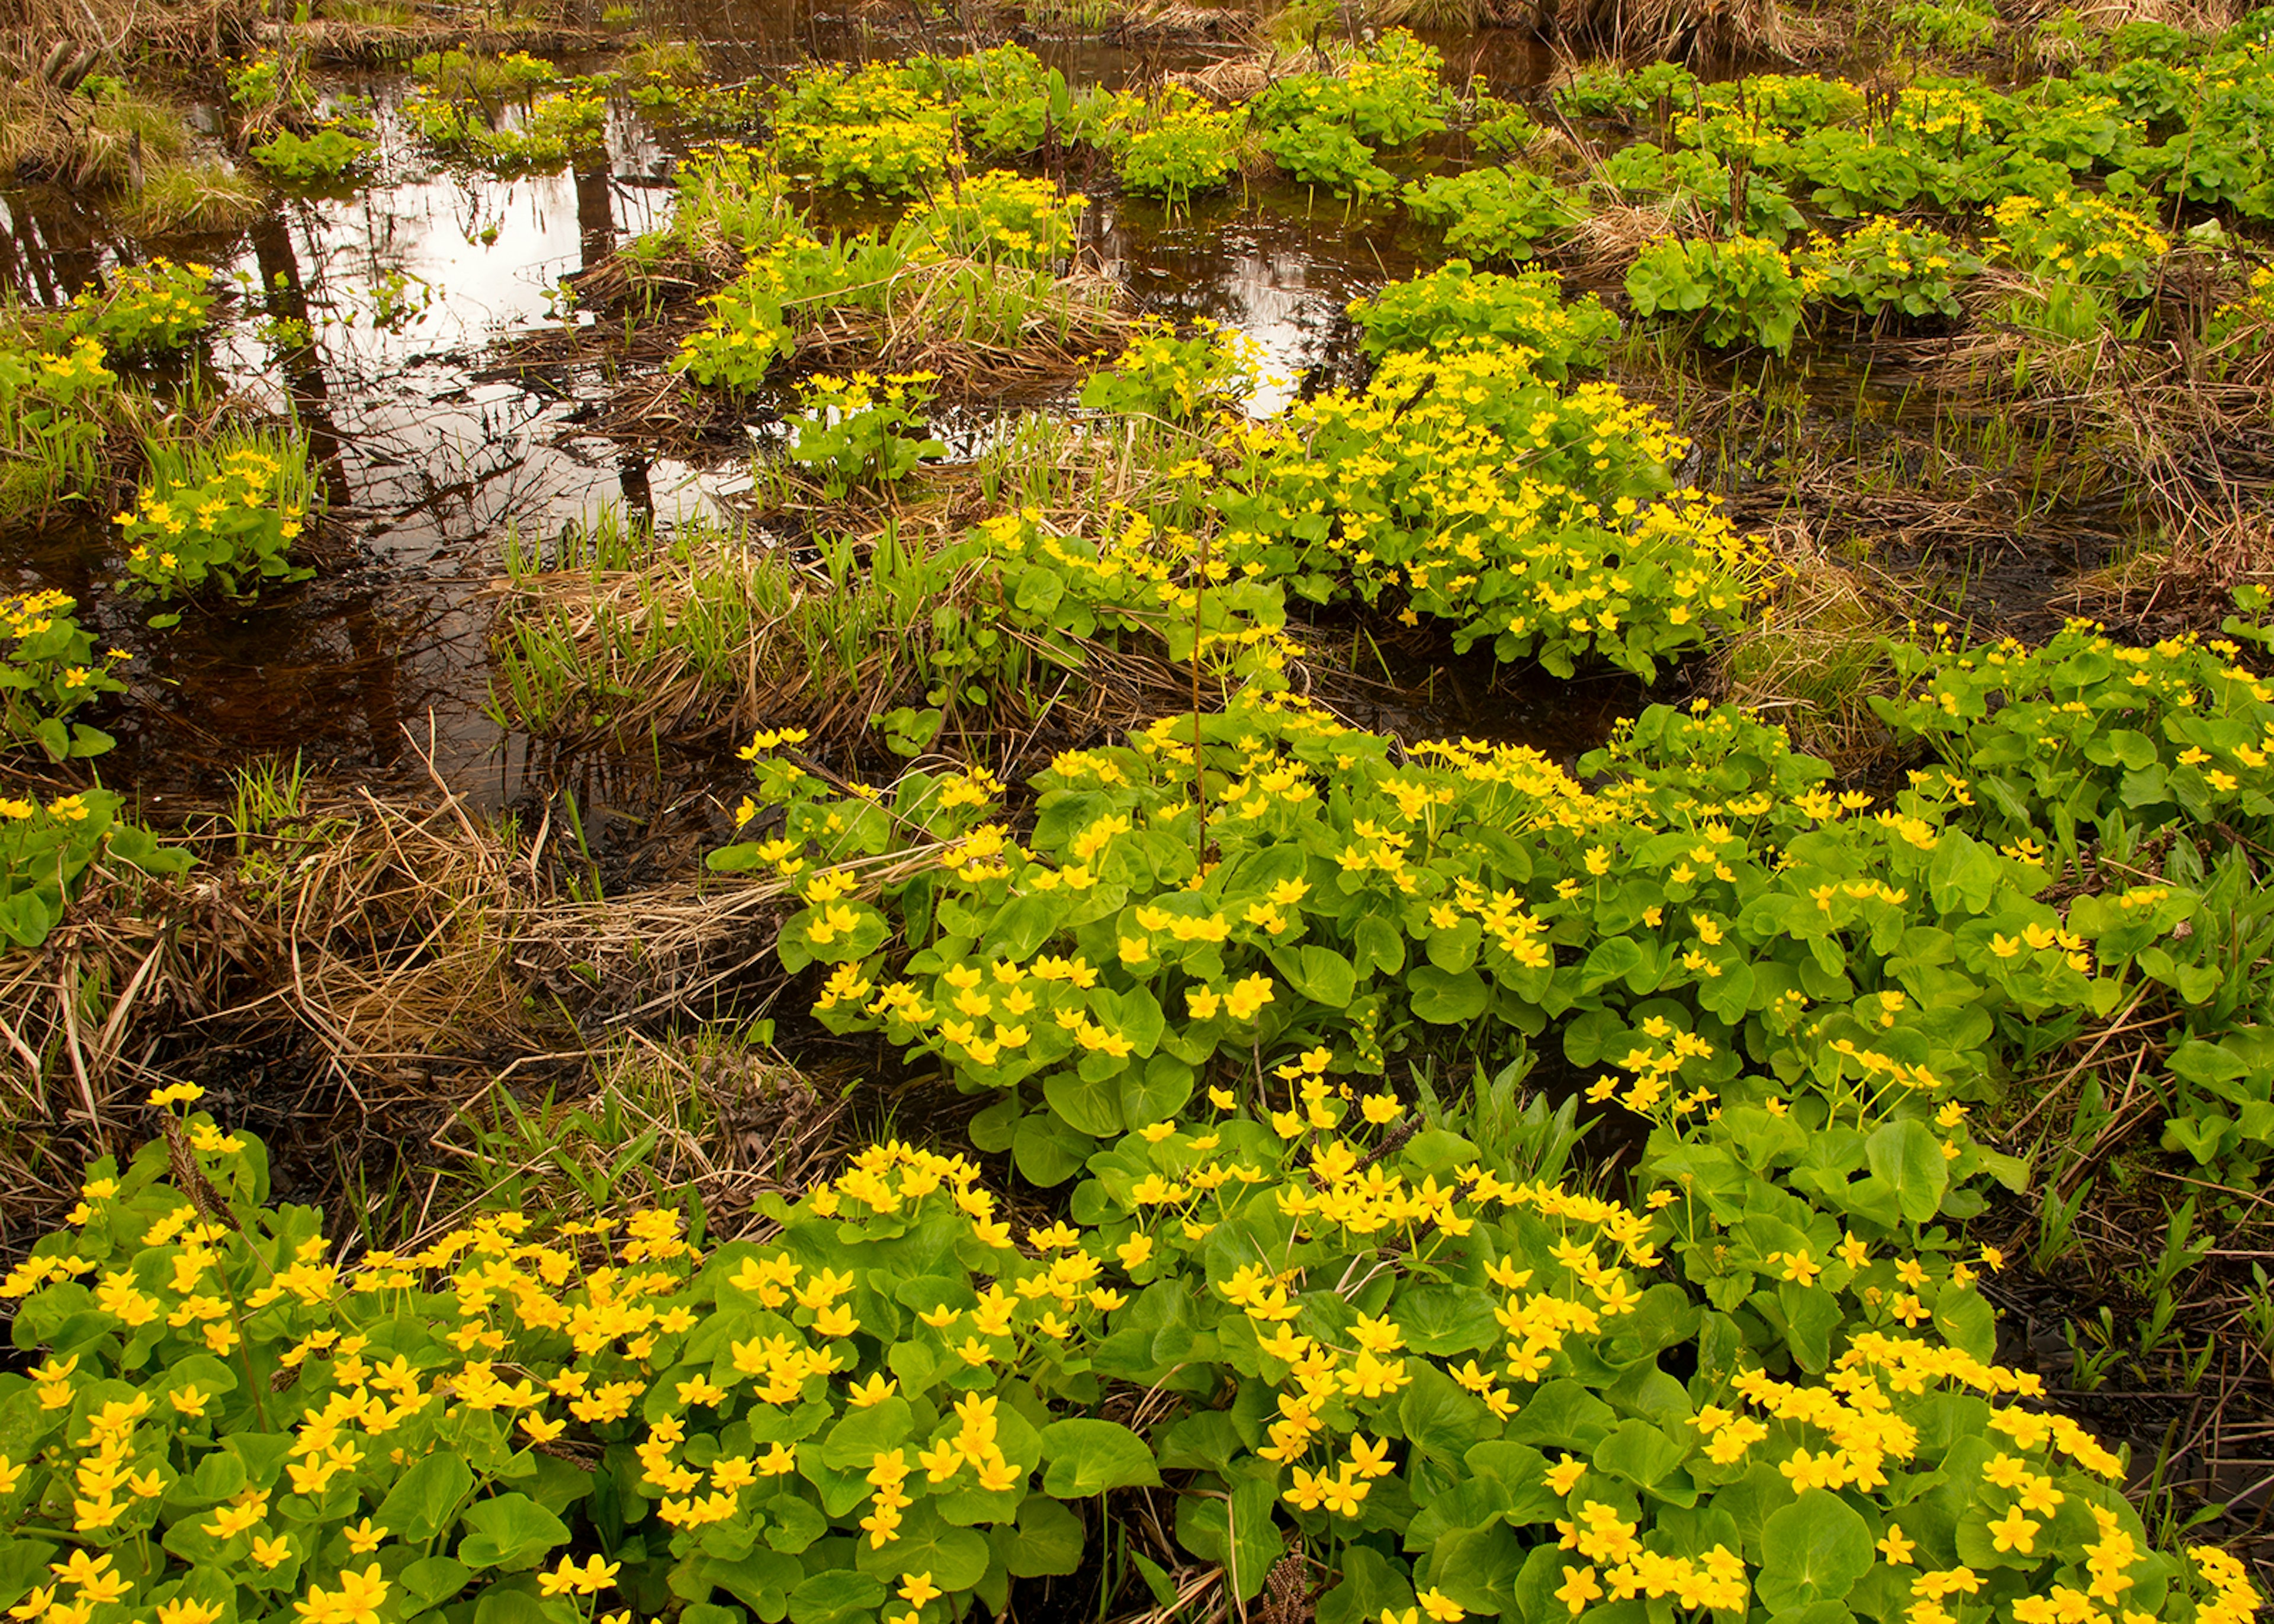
(375, 316)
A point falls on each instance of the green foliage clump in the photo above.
(1386, 93)
(887, 1410)
(303, 160)
(2085, 740)
(854, 431)
(755, 320)
(1353, 904)
(1007, 104)
(267, 83)
(1182, 381)
(1486, 497)
(1322, 152)
(1614, 92)
(1185, 150)
(1642, 170)
(1527, 313)
(876, 131)
(458, 75)
(743, 335)
(45, 849)
(1499, 129)
(53, 406)
(1887, 265)
(1739, 289)
(1958, 26)
(156, 305)
(2079, 237)
(729, 203)
(1496, 214)
(220, 513)
(49, 670)
(894, 157)
(1002, 214)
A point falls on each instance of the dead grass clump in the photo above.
(1604, 245)
(1813, 660)
(988, 331)
(383, 31)
(1235, 78)
(710, 1114)
(2104, 17)
(1677, 29)
(735, 638)
(2187, 576)
(358, 948)
(191, 31)
(201, 196)
(107, 139)
(972, 324)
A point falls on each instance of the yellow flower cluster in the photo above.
(1547, 522)
(27, 614)
(80, 367)
(1004, 212)
(1599, 1535)
(2080, 235)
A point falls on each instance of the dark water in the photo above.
(433, 452)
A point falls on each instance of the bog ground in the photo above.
(1343, 815)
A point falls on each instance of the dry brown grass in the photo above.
(2105, 16)
(714, 1115)
(1810, 661)
(1719, 29)
(375, 952)
(924, 327)
(180, 30)
(2187, 578)
(921, 330)
(778, 639)
(1234, 78)
(1604, 246)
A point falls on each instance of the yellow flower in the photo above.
(1579, 1589)
(597, 1575)
(2013, 1533)
(917, 1589)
